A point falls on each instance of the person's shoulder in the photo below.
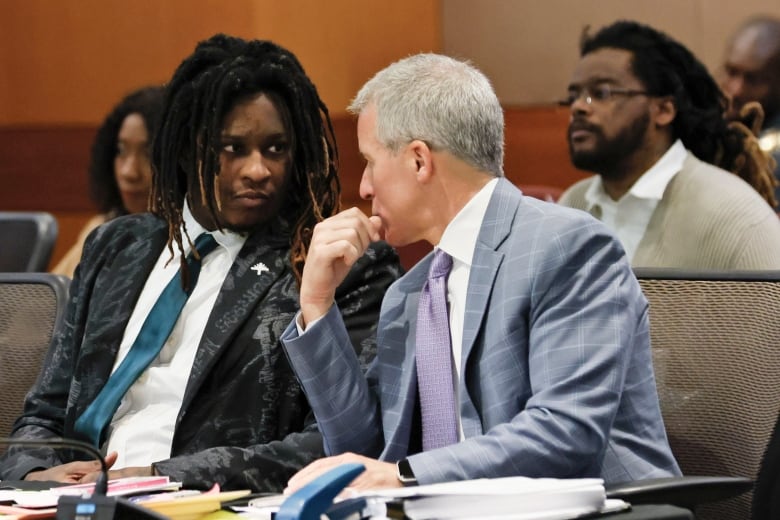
(724, 199)
(555, 214)
(546, 226)
(529, 214)
(135, 223)
(549, 238)
(574, 195)
(705, 183)
(126, 228)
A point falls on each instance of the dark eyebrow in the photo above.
(594, 81)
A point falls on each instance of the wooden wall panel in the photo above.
(68, 62)
(536, 149)
(45, 167)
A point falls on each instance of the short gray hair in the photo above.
(447, 103)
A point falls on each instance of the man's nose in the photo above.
(583, 103)
(366, 189)
(254, 167)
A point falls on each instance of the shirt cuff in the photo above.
(299, 323)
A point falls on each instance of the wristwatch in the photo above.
(405, 473)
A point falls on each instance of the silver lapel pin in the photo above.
(260, 268)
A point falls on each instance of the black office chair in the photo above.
(28, 239)
(766, 495)
(31, 310)
(716, 355)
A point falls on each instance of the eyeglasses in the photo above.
(599, 94)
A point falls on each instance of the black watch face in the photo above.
(405, 473)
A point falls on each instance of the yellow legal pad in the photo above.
(192, 507)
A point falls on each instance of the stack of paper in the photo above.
(121, 486)
(43, 504)
(519, 498)
(512, 497)
(177, 505)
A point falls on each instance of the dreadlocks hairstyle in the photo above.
(146, 102)
(666, 68)
(222, 71)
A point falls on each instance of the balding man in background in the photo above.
(752, 73)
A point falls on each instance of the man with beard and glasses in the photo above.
(647, 117)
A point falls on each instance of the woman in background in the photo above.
(120, 173)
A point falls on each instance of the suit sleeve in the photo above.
(341, 396)
(586, 316)
(267, 467)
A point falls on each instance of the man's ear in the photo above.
(665, 111)
(422, 156)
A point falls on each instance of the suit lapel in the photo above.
(496, 226)
(242, 289)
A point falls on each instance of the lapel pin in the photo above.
(260, 268)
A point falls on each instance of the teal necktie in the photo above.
(146, 347)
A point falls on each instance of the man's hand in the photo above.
(378, 475)
(72, 472)
(137, 471)
(336, 244)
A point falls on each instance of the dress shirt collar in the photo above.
(652, 183)
(230, 240)
(460, 237)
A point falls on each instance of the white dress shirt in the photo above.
(141, 431)
(629, 216)
(459, 241)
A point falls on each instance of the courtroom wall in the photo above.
(67, 62)
(529, 47)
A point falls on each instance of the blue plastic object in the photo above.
(315, 498)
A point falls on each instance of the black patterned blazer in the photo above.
(244, 421)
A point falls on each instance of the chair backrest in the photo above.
(31, 310)
(28, 239)
(716, 355)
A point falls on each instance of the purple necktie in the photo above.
(434, 358)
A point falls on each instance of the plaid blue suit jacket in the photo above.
(557, 376)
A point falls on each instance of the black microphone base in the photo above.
(102, 508)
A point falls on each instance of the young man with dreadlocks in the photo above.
(647, 117)
(246, 156)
